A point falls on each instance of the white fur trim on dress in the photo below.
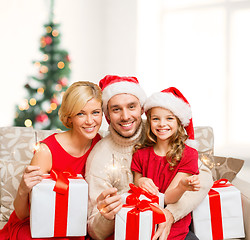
(176, 105)
(122, 87)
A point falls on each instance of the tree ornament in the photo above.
(42, 118)
(67, 58)
(54, 100)
(48, 40)
(63, 81)
(27, 86)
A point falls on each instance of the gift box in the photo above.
(139, 215)
(59, 206)
(219, 216)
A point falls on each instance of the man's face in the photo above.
(124, 113)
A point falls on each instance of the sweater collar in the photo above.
(126, 142)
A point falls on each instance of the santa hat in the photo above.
(112, 85)
(173, 100)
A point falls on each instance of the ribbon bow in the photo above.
(132, 227)
(221, 183)
(62, 180)
(136, 192)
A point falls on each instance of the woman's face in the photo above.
(88, 121)
(163, 123)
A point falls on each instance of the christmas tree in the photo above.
(45, 91)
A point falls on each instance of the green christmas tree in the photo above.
(45, 91)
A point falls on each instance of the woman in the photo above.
(81, 112)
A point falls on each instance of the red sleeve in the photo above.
(136, 164)
(189, 161)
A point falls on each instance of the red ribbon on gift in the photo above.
(133, 216)
(61, 204)
(215, 209)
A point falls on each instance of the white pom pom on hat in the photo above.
(112, 85)
(173, 100)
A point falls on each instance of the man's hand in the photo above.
(191, 183)
(109, 203)
(148, 185)
(164, 228)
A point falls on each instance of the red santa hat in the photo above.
(173, 100)
(112, 85)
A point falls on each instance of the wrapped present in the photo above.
(219, 216)
(138, 218)
(59, 206)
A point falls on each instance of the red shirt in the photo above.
(150, 165)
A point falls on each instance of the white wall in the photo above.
(100, 36)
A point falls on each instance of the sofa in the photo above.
(18, 143)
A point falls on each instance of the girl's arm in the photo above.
(145, 183)
(41, 163)
(181, 183)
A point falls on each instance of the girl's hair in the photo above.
(176, 141)
(75, 98)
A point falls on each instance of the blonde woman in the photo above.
(81, 112)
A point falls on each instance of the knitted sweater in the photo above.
(108, 165)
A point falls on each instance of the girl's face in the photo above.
(163, 123)
(88, 121)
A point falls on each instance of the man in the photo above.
(108, 166)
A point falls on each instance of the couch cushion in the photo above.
(227, 167)
(205, 138)
(11, 174)
(17, 143)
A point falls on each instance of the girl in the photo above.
(81, 112)
(165, 162)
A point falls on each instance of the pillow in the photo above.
(11, 174)
(17, 143)
(227, 167)
(205, 138)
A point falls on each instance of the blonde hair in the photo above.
(75, 98)
(176, 142)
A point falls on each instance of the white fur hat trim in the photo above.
(176, 105)
(122, 87)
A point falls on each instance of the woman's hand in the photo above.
(31, 176)
(148, 185)
(163, 229)
(191, 183)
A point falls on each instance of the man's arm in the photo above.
(102, 195)
(190, 200)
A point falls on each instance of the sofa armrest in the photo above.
(244, 188)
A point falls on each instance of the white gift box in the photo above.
(145, 219)
(207, 224)
(42, 208)
(145, 225)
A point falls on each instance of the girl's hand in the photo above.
(148, 185)
(191, 183)
(31, 176)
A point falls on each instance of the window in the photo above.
(202, 48)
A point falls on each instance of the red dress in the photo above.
(16, 229)
(150, 165)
